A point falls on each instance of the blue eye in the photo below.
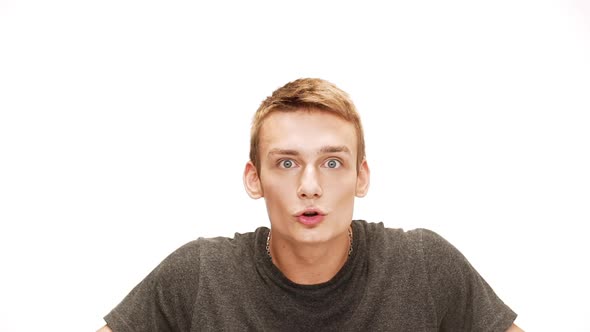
(286, 163)
(333, 163)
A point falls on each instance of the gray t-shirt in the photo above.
(393, 281)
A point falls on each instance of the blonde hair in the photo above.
(307, 94)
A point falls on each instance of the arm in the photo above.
(461, 295)
(106, 328)
(512, 328)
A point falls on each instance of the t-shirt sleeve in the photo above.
(163, 301)
(463, 299)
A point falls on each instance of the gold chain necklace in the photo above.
(349, 243)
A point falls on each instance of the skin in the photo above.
(297, 151)
(514, 328)
(308, 160)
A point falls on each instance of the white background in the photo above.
(124, 129)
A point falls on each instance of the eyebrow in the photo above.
(323, 149)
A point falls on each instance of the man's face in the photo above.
(307, 166)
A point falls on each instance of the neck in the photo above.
(310, 264)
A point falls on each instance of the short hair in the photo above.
(307, 94)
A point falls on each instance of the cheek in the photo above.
(343, 183)
(340, 192)
(277, 192)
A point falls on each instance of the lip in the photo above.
(310, 220)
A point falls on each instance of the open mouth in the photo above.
(310, 214)
(311, 217)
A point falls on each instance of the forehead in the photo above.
(306, 131)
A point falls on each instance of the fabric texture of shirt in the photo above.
(394, 280)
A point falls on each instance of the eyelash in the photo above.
(336, 160)
(280, 163)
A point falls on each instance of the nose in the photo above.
(309, 185)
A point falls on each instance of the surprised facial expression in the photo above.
(308, 174)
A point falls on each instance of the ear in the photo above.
(363, 179)
(252, 181)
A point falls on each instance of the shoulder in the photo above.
(431, 242)
(212, 248)
(418, 244)
(438, 254)
(419, 237)
(204, 253)
(461, 298)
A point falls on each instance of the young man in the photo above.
(315, 268)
